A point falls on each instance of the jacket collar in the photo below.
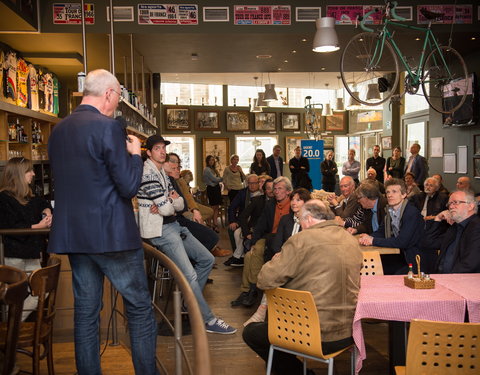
(324, 224)
(86, 107)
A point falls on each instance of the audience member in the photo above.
(430, 202)
(345, 205)
(196, 211)
(212, 179)
(372, 176)
(442, 188)
(161, 228)
(260, 164)
(329, 172)
(334, 283)
(233, 177)
(412, 187)
(275, 162)
(401, 228)
(299, 168)
(417, 165)
(376, 162)
(395, 166)
(351, 167)
(464, 184)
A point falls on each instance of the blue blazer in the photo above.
(273, 167)
(94, 179)
(419, 169)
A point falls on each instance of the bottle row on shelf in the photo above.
(17, 133)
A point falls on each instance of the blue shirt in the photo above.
(375, 217)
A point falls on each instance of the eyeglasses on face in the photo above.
(120, 97)
(455, 203)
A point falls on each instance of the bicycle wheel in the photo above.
(364, 62)
(445, 80)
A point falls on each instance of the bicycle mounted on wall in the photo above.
(371, 59)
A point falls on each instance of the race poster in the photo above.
(262, 15)
(345, 14)
(167, 14)
(71, 14)
(459, 14)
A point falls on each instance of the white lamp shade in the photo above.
(261, 100)
(328, 110)
(326, 39)
(254, 107)
(270, 94)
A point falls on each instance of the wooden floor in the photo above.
(229, 354)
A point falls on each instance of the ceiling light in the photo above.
(270, 94)
(261, 100)
(263, 57)
(255, 107)
(279, 69)
(327, 111)
(340, 105)
(417, 38)
(304, 40)
(473, 38)
(293, 51)
(285, 61)
(354, 103)
(322, 68)
(326, 39)
(373, 93)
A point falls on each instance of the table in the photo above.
(381, 250)
(386, 298)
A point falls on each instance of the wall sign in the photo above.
(313, 151)
(167, 14)
(460, 14)
(71, 14)
(262, 15)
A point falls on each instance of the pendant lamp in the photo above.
(373, 93)
(270, 94)
(326, 39)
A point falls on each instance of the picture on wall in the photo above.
(327, 141)
(238, 121)
(436, 147)
(291, 121)
(476, 144)
(219, 149)
(335, 122)
(265, 121)
(476, 167)
(207, 120)
(177, 119)
(291, 144)
(318, 120)
(387, 143)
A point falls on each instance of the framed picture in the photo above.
(436, 147)
(327, 141)
(462, 159)
(207, 120)
(219, 149)
(336, 122)
(177, 119)
(476, 167)
(291, 121)
(476, 144)
(387, 143)
(238, 121)
(449, 163)
(291, 144)
(266, 121)
(318, 121)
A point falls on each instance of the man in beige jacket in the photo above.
(322, 255)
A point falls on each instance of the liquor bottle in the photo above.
(410, 271)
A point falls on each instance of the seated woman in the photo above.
(20, 209)
(206, 213)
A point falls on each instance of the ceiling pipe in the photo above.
(132, 62)
(144, 94)
(84, 39)
(125, 76)
(112, 41)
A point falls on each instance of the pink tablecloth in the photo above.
(466, 285)
(386, 298)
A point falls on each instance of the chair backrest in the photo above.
(443, 348)
(372, 264)
(13, 291)
(293, 321)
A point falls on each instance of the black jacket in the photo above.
(273, 167)
(250, 215)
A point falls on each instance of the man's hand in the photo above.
(197, 216)
(352, 230)
(174, 195)
(365, 240)
(340, 221)
(233, 226)
(133, 145)
(332, 199)
(445, 215)
(154, 209)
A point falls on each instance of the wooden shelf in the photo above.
(25, 112)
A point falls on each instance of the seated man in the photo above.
(345, 205)
(298, 267)
(442, 188)
(372, 176)
(196, 211)
(263, 234)
(460, 244)
(464, 184)
(431, 201)
(165, 233)
(402, 227)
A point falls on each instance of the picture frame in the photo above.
(237, 121)
(476, 167)
(328, 141)
(290, 121)
(291, 144)
(387, 143)
(265, 121)
(319, 122)
(436, 147)
(206, 120)
(177, 118)
(220, 149)
(335, 122)
(449, 163)
(462, 159)
(476, 145)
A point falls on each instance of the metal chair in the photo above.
(13, 291)
(294, 327)
(438, 348)
(43, 284)
(372, 264)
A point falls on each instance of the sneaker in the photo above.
(237, 262)
(229, 261)
(220, 327)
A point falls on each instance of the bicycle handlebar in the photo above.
(390, 10)
(391, 5)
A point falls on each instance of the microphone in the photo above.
(123, 124)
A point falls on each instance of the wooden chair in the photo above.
(372, 264)
(438, 348)
(43, 284)
(13, 291)
(294, 327)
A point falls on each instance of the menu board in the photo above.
(262, 15)
(167, 14)
(71, 14)
(460, 14)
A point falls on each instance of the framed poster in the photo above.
(387, 143)
(436, 147)
(291, 121)
(335, 122)
(318, 120)
(219, 149)
(177, 118)
(462, 159)
(238, 121)
(207, 120)
(449, 163)
(265, 121)
(476, 167)
(291, 144)
(328, 141)
(476, 144)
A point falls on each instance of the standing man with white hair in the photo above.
(97, 173)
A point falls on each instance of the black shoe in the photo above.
(251, 298)
(229, 261)
(209, 281)
(239, 300)
(237, 262)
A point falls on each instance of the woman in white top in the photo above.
(233, 177)
(212, 179)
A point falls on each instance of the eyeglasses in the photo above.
(120, 97)
(455, 203)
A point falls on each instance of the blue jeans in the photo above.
(126, 272)
(182, 252)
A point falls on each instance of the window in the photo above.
(184, 146)
(417, 102)
(245, 147)
(191, 94)
(240, 96)
(341, 152)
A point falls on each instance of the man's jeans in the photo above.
(125, 270)
(183, 248)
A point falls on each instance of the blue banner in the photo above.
(313, 151)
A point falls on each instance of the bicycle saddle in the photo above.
(430, 15)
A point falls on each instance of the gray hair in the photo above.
(285, 180)
(348, 179)
(317, 210)
(397, 182)
(469, 198)
(98, 81)
(434, 182)
(368, 190)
